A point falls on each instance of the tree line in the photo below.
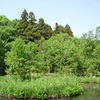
(29, 46)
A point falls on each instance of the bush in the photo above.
(41, 88)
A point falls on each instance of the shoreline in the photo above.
(41, 88)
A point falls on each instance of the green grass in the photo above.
(89, 79)
(40, 87)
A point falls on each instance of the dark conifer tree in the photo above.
(45, 30)
(31, 18)
(61, 29)
(22, 24)
(68, 30)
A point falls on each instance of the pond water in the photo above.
(91, 92)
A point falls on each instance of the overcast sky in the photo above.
(81, 15)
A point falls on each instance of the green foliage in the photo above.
(68, 30)
(89, 79)
(60, 28)
(98, 33)
(2, 53)
(7, 30)
(40, 88)
(44, 50)
(7, 34)
(23, 59)
(44, 29)
(4, 21)
(4, 35)
(29, 30)
(22, 24)
(91, 54)
(68, 55)
(61, 54)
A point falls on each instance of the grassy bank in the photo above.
(89, 79)
(40, 87)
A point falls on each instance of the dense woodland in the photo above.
(28, 45)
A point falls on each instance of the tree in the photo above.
(58, 28)
(89, 35)
(98, 32)
(96, 63)
(41, 22)
(2, 56)
(61, 54)
(68, 30)
(61, 29)
(44, 29)
(27, 28)
(23, 59)
(4, 20)
(14, 23)
(31, 18)
(90, 51)
(7, 35)
(22, 25)
(7, 32)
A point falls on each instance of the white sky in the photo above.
(81, 15)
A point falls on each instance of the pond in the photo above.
(91, 92)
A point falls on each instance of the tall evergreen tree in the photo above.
(58, 28)
(22, 25)
(31, 18)
(27, 27)
(45, 30)
(61, 29)
(68, 30)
